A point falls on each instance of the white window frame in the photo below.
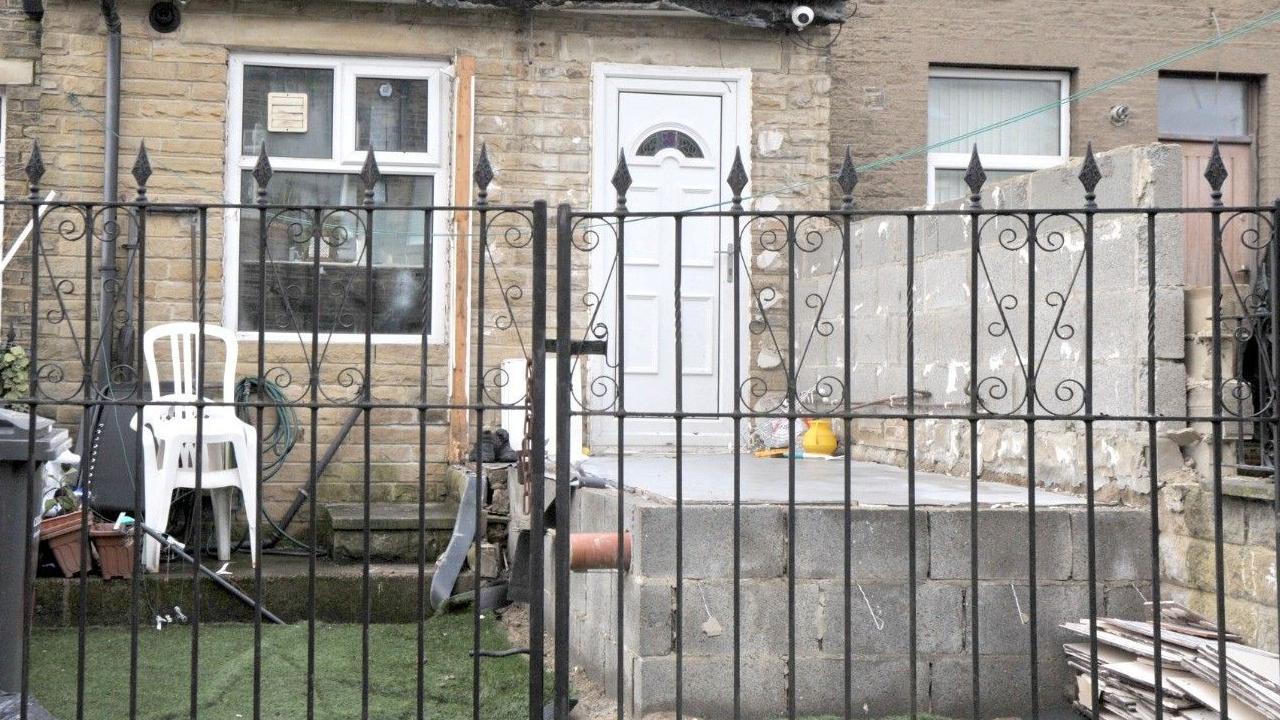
(4, 150)
(345, 159)
(992, 161)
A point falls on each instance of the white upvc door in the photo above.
(678, 135)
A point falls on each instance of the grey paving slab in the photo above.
(709, 478)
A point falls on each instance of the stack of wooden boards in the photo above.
(1189, 660)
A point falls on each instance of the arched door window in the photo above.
(669, 139)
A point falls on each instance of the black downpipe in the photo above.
(110, 193)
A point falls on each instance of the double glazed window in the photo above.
(962, 100)
(319, 117)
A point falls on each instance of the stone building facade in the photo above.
(527, 79)
(882, 108)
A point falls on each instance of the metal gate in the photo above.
(956, 345)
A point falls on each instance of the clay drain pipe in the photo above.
(598, 551)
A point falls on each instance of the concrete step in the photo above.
(285, 592)
(393, 530)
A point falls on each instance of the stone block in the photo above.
(708, 540)
(879, 549)
(1124, 600)
(708, 616)
(650, 612)
(880, 685)
(880, 618)
(1121, 544)
(1002, 544)
(1260, 524)
(708, 686)
(1004, 622)
(1004, 688)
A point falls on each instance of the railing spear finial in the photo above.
(35, 170)
(621, 181)
(482, 175)
(847, 178)
(737, 179)
(975, 177)
(142, 171)
(1089, 176)
(370, 175)
(1216, 173)
(262, 173)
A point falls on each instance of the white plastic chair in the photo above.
(169, 437)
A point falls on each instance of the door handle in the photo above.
(731, 252)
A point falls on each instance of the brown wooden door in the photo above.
(1239, 190)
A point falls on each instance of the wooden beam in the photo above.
(460, 421)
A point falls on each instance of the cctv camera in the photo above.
(801, 16)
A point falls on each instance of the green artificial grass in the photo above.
(226, 671)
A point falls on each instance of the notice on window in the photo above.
(286, 112)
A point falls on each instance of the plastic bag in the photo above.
(11, 708)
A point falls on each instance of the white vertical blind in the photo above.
(958, 105)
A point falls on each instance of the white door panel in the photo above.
(675, 144)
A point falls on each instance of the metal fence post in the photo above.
(564, 330)
(538, 460)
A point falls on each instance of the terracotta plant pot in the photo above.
(63, 535)
(114, 549)
(52, 525)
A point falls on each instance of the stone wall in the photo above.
(881, 65)
(532, 108)
(1187, 561)
(19, 75)
(1132, 177)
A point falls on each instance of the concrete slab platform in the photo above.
(709, 478)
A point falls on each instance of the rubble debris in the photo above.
(1189, 670)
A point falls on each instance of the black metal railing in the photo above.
(925, 336)
(1032, 293)
(311, 276)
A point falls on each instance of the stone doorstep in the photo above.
(393, 530)
(390, 515)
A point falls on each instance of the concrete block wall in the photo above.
(877, 297)
(878, 620)
(532, 108)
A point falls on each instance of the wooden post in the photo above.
(459, 420)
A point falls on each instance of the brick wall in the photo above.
(532, 108)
